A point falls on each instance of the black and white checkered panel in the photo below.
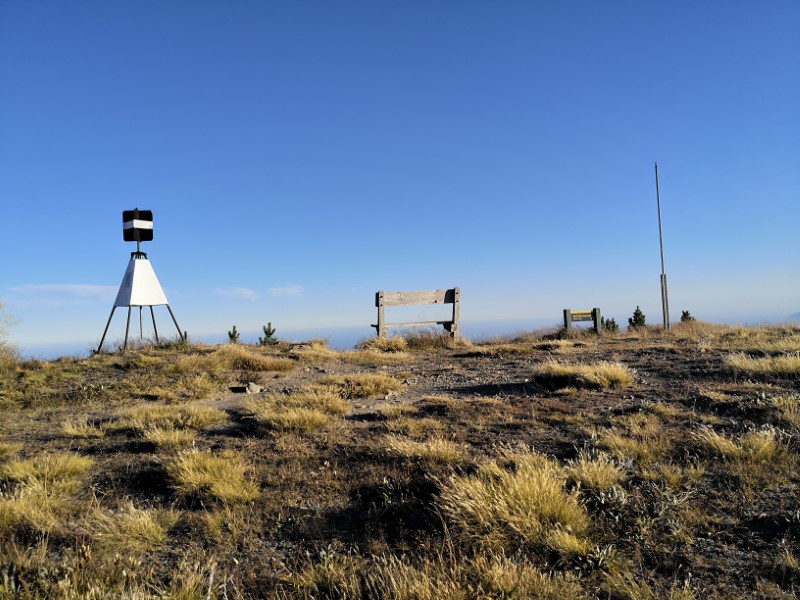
(137, 225)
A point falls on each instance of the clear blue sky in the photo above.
(298, 156)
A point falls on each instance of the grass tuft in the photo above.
(784, 365)
(43, 492)
(210, 477)
(144, 418)
(598, 472)
(166, 438)
(755, 448)
(241, 358)
(362, 385)
(392, 344)
(517, 502)
(314, 351)
(50, 469)
(432, 339)
(7, 449)
(788, 407)
(83, 429)
(135, 530)
(435, 450)
(307, 409)
(602, 374)
(641, 439)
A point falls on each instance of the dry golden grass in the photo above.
(514, 579)
(626, 586)
(788, 561)
(414, 426)
(756, 448)
(290, 418)
(394, 411)
(402, 577)
(320, 397)
(399, 577)
(230, 357)
(435, 450)
(51, 469)
(765, 340)
(375, 358)
(787, 405)
(677, 414)
(597, 471)
(243, 358)
(314, 351)
(134, 530)
(566, 391)
(212, 477)
(35, 506)
(195, 363)
(432, 339)
(519, 501)
(642, 439)
(602, 374)
(307, 409)
(504, 349)
(43, 492)
(166, 438)
(392, 344)
(193, 387)
(693, 330)
(362, 385)
(81, 428)
(147, 417)
(7, 449)
(555, 345)
(784, 365)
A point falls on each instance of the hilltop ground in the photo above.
(636, 465)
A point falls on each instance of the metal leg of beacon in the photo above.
(127, 328)
(174, 320)
(105, 331)
(155, 329)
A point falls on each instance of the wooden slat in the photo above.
(417, 324)
(421, 297)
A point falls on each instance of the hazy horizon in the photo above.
(345, 337)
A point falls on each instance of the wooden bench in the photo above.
(450, 296)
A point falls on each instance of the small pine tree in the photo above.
(233, 336)
(686, 317)
(609, 325)
(269, 335)
(637, 320)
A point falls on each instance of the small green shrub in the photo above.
(269, 335)
(233, 336)
(637, 320)
(609, 325)
(686, 317)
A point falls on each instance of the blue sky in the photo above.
(299, 156)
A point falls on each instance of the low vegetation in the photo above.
(626, 466)
(600, 374)
(210, 477)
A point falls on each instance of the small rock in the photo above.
(253, 388)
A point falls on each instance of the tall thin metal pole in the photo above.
(664, 294)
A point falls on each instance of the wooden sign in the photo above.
(573, 316)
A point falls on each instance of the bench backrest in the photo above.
(450, 296)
